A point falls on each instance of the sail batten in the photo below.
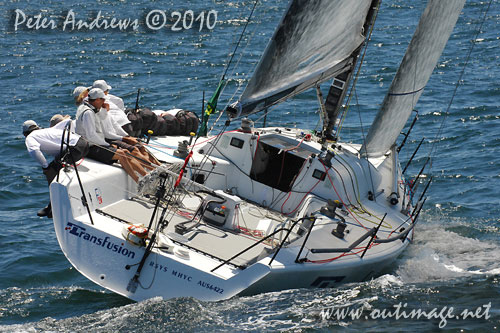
(435, 26)
(314, 42)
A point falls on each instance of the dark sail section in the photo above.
(314, 42)
(338, 89)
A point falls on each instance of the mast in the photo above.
(341, 82)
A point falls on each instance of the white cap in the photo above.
(96, 93)
(29, 125)
(78, 91)
(57, 118)
(101, 84)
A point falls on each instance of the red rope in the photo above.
(289, 193)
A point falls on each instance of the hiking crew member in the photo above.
(90, 118)
(113, 132)
(48, 141)
(79, 94)
(116, 107)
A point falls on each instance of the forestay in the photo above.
(313, 43)
(422, 55)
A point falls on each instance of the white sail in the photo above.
(313, 43)
(422, 55)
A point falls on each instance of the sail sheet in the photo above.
(433, 30)
(313, 43)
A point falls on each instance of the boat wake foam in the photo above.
(440, 254)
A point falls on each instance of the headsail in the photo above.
(313, 43)
(422, 55)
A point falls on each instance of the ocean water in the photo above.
(454, 261)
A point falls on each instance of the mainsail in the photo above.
(315, 41)
(422, 55)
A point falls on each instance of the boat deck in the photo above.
(203, 237)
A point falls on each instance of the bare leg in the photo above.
(149, 156)
(130, 165)
(136, 165)
(126, 165)
(145, 162)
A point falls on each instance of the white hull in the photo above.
(102, 254)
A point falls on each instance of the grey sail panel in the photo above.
(313, 43)
(428, 42)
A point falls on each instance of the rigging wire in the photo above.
(236, 66)
(368, 39)
(212, 104)
(441, 127)
(239, 40)
(231, 59)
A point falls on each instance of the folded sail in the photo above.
(313, 43)
(422, 55)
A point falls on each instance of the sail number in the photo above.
(177, 21)
(185, 277)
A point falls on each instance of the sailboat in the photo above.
(256, 210)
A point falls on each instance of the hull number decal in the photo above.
(185, 277)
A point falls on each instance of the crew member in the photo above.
(116, 106)
(48, 141)
(113, 131)
(79, 94)
(90, 118)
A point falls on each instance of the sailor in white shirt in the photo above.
(89, 123)
(115, 135)
(80, 95)
(90, 119)
(116, 106)
(48, 141)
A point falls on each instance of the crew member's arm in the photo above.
(35, 152)
(109, 129)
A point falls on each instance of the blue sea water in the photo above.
(454, 261)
